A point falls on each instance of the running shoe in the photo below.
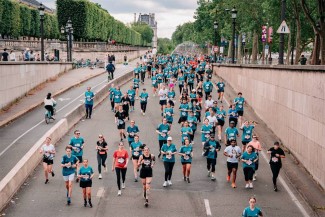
(85, 202)
(69, 201)
(159, 155)
(136, 180)
(77, 180)
(123, 185)
(90, 204)
(119, 193)
(247, 186)
(251, 185)
(165, 184)
(146, 204)
(209, 174)
(275, 188)
(188, 180)
(144, 194)
(228, 178)
(46, 181)
(254, 177)
(169, 182)
(100, 176)
(144, 114)
(52, 173)
(233, 185)
(213, 178)
(184, 178)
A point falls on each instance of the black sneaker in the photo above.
(185, 178)
(46, 181)
(77, 180)
(188, 180)
(90, 204)
(52, 174)
(85, 203)
(69, 201)
(275, 188)
(135, 180)
(159, 155)
(146, 204)
(144, 194)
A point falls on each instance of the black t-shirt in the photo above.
(276, 160)
(199, 91)
(102, 145)
(125, 102)
(120, 116)
(5, 56)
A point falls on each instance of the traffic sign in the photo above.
(283, 29)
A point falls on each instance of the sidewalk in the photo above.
(56, 86)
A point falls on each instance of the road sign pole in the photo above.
(281, 43)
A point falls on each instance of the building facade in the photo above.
(151, 21)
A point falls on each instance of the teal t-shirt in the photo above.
(76, 143)
(169, 149)
(207, 86)
(250, 157)
(252, 213)
(186, 132)
(135, 147)
(240, 103)
(144, 97)
(233, 113)
(132, 131)
(247, 133)
(111, 93)
(171, 94)
(169, 114)
(214, 145)
(154, 81)
(159, 78)
(221, 114)
(89, 98)
(66, 171)
(164, 130)
(131, 94)
(221, 86)
(190, 78)
(86, 172)
(231, 133)
(136, 82)
(206, 130)
(117, 96)
(192, 121)
(187, 150)
(184, 109)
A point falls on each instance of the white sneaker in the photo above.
(251, 185)
(100, 176)
(119, 193)
(209, 174)
(247, 186)
(165, 184)
(169, 182)
(144, 114)
(123, 185)
(254, 177)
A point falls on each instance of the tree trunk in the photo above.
(322, 48)
(255, 48)
(298, 42)
(239, 54)
(288, 50)
(315, 54)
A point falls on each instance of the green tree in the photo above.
(165, 46)
(145, 31)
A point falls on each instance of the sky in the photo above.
(169, 13)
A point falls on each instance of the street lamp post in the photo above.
(281, 42)
(69, 31)
(63, 30)
(41, 13)
(215, 27)
(233, 16)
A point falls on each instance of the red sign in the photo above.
(264, 33)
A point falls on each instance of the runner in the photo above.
(147, 161)
(126, 104)
(197, 110)
(208, 103)
(143, 101)
(231, 133)
(69, 164)
(163, 98)
(257, 147)
(190, 79)
(171, 97)
(193, 96)
(168, 114)
(252, 210)
(101, 148)
(249, 158)
(199, 91)
(131, 94)
(120, 118)
(221, 115)
(136, 150)
(119, 164)
(207, 87)
(111, 96)
(132, 131)
(168, 150)
(211, 148)
(232, 153)
(137, 71)
(186, 132)
(275, 162)
(181, 81)
(247, 129)
(89, 102)
(48, 152)
(154, 84)
(192, 122)
(117, 97)
(77, 145)
(212, 120)
(206, 129)
(221, 90)
(240, 102)
(184, 109)
(233, 114)
(86, 175)
(186, 153)
(163, 131)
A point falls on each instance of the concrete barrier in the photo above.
(290, 100)
(11, 183)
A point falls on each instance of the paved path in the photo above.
(198, 198)
(19, 136)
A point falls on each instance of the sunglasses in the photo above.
(100, 137)
(78, 133)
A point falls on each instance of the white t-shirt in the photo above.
(232, 151)
(49, 101)
(208, 103)
(48, 148)
(212, 120)
(163, 94)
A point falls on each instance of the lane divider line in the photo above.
(207, 207)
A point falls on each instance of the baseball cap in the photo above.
(169, 138)
(232, 122)
(211, 135)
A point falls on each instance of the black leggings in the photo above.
(101, 159)
(211, 164)
(89, 110)
(161, 143)
(191, 86)
(50, 108)
(275, 171)
(168, 170)
(207, 94)
(248, 172)
(112, 104)
(143, 106)
(120, 171)
(180, 88)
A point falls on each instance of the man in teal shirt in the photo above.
(211, 147)
(89, 102)
(77, 145)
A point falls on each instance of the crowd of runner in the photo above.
(184, 87)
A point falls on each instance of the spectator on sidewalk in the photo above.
(12, 56)
(303, 60)
(4, 56)
(110, 68)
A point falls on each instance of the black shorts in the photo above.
(212, 161)
(240, 113)
(169, 122)
(47, 161)
(145, 173)
(184, 163)
(221, 91)
(135, 157)
(163, 102)
(79, 158)
(244, 143)
(121, 127)
(182, 119)
(134, 88)
(131, 103)
(231, 166)
(221, 123)
(86, 184)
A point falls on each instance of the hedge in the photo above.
(93, 23)
(20, 20)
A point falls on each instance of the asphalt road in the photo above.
(19, 136)
(201, 197)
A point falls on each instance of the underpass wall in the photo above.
(291, 101)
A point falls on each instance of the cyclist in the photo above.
(49, 104)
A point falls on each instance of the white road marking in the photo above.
(207, 207)
(39, 123)
(63, 99)
(100, 192)
(292, 196)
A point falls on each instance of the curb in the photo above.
(21, 113)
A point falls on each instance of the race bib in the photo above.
(146, 162)
(120, 122)
(231, 134)
(190, 124)
(219, 116)
(88, 98)
(186, 157)
(240, 106)
(221, 85)
(169, 156)
(136, 153)
(206, 136)
(247, 137)
(249, 162)
(120, 160)
(116, 97)
(153, 82)
(183, 113)
(275, 159)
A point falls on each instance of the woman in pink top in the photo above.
(257, 146)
